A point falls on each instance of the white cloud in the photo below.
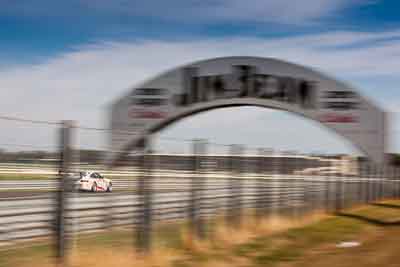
(78, 85)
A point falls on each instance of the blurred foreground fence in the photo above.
(173, 199)
(192, 187)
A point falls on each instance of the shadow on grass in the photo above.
(379, 214)
(387, 205)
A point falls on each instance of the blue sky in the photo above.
(33, 30)
(64, 54)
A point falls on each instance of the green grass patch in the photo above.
(332, 229)
(28, 176)
(276, 256)
(292, 244)
(115, 238)
(378, 213)
(167, 235)
(20, 255)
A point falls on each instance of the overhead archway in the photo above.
(246, 81)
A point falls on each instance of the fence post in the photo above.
(282, 174)
(359, 182)
(397, 178)
(310, 187)
(396, 181)
(381, 182)
(393, 182)
(235, 205)
(344, 186)
(390, 177)
(296, 184)
(273, 189)
(143, 232)
(328, 187)
(368, 183)
(374, 189)
(197, 187)
(261, 205)
(362, 182)
(338, 187)
(64, 185)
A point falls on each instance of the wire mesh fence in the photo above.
(207, 180)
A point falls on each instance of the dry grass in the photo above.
(101, 257)
(273, 241)
(174, 243)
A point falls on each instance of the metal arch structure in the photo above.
(246, 81)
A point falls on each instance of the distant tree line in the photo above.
(46, 157)
(98, 156)
(394, 159)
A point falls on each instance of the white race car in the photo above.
(94, 182)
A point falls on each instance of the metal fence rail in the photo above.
(27, 218)
(189, 187)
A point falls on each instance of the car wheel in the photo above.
(109, 188)
(94, 187)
